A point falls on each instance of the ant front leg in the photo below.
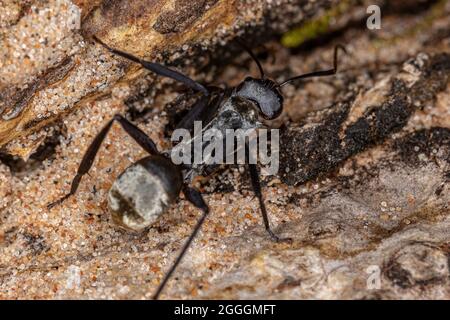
(158, 69)
(202, 107)
(194, 114)
(256, 184)
(88, 159)
(194, 197)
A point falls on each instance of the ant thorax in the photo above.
(236, 112)
(217, 140)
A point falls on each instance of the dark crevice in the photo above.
(46, 151)
(408, 7)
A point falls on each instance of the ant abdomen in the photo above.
(144, 191)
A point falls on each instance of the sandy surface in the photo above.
(384, 210)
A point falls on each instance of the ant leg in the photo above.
(194, 197)
(202, 109)
(199, 107)
(88, 159)
(254, 177)
(323, 73)
(158, 69)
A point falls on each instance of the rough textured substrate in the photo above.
(49, 64)
(384, 209)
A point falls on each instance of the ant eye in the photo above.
(264, 94)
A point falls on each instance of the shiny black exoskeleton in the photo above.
(146, 189)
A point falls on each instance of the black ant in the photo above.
(146, 189)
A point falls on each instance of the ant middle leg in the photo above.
(256, 184)
(88, 159)
(194, 197)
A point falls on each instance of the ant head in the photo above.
(264, 93)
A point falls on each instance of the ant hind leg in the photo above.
(88, 159)
(194, 197)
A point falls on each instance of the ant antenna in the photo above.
(249, 51)
(323, 73)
